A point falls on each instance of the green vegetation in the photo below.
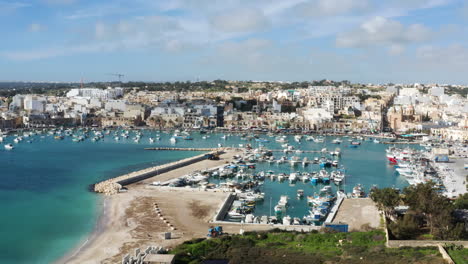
(461, 202)
(294, 247)
(459, 256)
(457, 253)
(430, 214)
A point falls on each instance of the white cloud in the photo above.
(7, 7)
(396, 49)
(60, 2)
(241, 20)
(35, 27)
(450, 57)
(383, 31)
(323, 8)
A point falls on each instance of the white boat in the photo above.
(336, 141)
(292, 177)
(287, 220)
(294, 160)
(358, 192)
(235, 215)
(173, 140)
(281, 177)
(281, 139)
(297, 138)
(9, 146)
(117, 138)
(151, 140)
(1, 139)
(305, 162)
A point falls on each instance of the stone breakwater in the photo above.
(114, 185)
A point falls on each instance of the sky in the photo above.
(367, 41)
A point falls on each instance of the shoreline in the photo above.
(100, 226)
(116, 225)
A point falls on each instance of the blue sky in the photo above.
(153, 40)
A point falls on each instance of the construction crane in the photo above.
(118, 75)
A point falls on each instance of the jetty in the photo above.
(400, 142)
(184, 149)
(114, 185)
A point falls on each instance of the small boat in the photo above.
(9, 146)
(300, 194)
(287, 220)
(358, 191)
(355, 143)
(336, 141)
(335, 163)
(292, 177)
(376, 141)
(173, 140)
(151, 140)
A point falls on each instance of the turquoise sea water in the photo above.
(47, 208)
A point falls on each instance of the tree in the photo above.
(423, 199)
(405, 228)
(386, 199)
(461, 202)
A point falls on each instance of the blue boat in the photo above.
(314, 180)
(353, 146)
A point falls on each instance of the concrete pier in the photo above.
(185, 149)
(112, 186)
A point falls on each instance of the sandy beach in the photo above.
(129, 220)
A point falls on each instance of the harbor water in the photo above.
(48, 208)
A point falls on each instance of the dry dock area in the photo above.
(358, 212)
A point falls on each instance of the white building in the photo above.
(437, 91)
(109, 93)
(34, 104)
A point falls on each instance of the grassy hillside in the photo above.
(312, 248)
